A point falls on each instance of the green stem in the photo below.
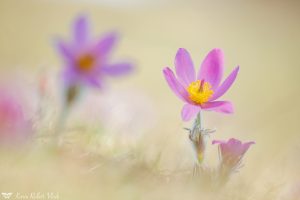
(198, 120)
(71, 96)
(197, 139)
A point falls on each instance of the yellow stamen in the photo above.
(200, 91)
(86, 62)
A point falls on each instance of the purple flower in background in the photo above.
(231, 152)
(14, 127)
(87, 59)
(200, 91)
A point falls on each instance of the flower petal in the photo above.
(175, 86)
(222, 89)
(211, 69)
(81, 29)
(93, 81)
(184, 67)
(64, 50)
(70, 76)
(246, 146)
(237, 148)
(189, 111)
(106, 43)
(218, 142)
(219, 106)
(118, 69)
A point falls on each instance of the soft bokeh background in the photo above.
(260, 36)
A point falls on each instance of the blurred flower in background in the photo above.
(200, 92)
(87, 59)
(87, 62)
(15, 128)
(231, 152)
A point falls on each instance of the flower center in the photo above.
(86, 62)
(200, 91)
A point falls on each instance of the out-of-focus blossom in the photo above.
(87, 59)
(200, 91)
(14, 127)
(231, 152)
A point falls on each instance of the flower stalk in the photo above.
(71, 95)
(197, 138)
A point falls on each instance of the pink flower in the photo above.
(232, 152)
(200, 91)
(14, 127)
(86, 59)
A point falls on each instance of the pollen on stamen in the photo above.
(85, 62)
(200, 91)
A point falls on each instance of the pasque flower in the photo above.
(87, 63)
(87, 59)
(14, 127)
(231, 152)
(200, 91)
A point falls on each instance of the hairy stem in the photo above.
(71, 96)
(197, 138)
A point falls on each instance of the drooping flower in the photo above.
(87, 59)
(14, 127)
(200, 91)
(231, 152)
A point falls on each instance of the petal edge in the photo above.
(189, 111)
(174, 84)
(222, 89)
(212, 67)
(225, 107)
(184, 67)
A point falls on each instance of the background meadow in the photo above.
(127, 141)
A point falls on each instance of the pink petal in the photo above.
(235, 145)
(93, 81)
(64, 50)
(218, 142)
(226, 84)
(237, 148)
(118, 69)
(189, 111)
(211, 69)
(246, 146)
(175, 86)
(70, 76)
(233, 148)
(81, 29)
(105, 45)
(184, 67)
(234, 142)
(218, 106)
